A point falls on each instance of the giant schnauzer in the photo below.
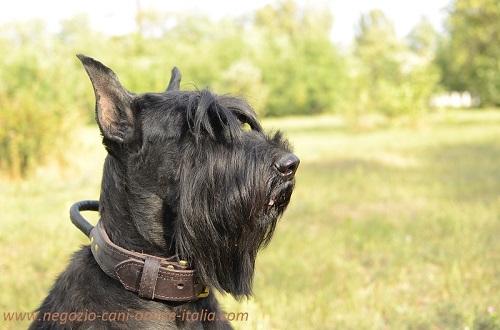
(192, 188)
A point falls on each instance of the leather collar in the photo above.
(150, 276)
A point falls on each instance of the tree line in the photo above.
(281, 58)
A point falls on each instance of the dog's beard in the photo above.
(228, 210)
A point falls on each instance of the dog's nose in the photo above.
(287, 166)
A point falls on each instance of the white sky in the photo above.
(118, 16)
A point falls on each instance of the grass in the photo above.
(389, 228)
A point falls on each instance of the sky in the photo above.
(118, 16)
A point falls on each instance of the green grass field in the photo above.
(389, 228)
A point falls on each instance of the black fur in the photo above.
(182, 177)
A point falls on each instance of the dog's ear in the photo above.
(175, 80)
(115, 115)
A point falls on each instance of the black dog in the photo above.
(188, 197)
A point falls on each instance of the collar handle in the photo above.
(78, 220)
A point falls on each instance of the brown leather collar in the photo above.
(150, 276)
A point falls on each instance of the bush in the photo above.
(35, 115)
(30, 134)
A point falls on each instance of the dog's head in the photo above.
(193, 173)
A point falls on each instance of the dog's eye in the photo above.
(246, 127)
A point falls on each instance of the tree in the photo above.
(423, 39)
(396, 80)
(299, 63)
(469, 56)
(244, 78)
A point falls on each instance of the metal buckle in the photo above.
(204, 293)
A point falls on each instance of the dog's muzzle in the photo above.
(150, 276)
(287, 166)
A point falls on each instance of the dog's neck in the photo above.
(124, 217)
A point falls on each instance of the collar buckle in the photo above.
(204, 292)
